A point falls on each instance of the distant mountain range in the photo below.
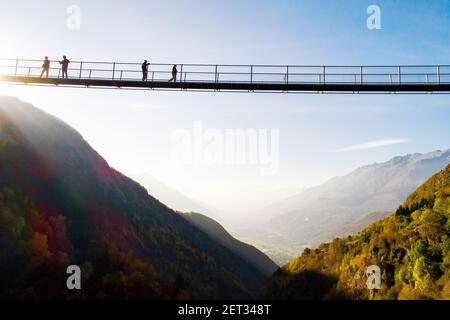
(323, 212)
(339, 207)
(205, 222)
(171, 197)
(360, 224)
(409, 251)
(61, 204)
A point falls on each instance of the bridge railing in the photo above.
(289, 74)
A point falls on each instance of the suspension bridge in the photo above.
(239, 78)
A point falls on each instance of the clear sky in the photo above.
(133, 129)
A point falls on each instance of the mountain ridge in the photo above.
(342, 200)
(411, 247)
(172, 197)
(61, 204)
(219, 233)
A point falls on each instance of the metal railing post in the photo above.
(114, 70)
(29, 71)
(286, 80)
(215, 75)
(81, 68)
(324, 74)
(287, 75)
(251, 74)
(361, 75)
(181, 70)
(439, 74)
(17, 66)
(399, 74)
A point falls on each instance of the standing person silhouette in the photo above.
(45, 67)
(174, 74)
(64, 66)
(145, 70)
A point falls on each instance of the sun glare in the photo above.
(8, 47)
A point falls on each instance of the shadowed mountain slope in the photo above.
(61, 204)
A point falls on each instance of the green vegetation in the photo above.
(212, 228)
(346, 205)
(412, 248)
(61, 204)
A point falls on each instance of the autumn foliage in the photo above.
(411, 247)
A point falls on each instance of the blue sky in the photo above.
(132, 130)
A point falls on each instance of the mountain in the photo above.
(61, 204)
(171, 197)
(258, 259)
(321, 213)
(411, 248)
(205, 222)
(362, 223)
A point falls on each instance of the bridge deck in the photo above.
(264, 78)
(232, 86)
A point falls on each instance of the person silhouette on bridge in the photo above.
(45, 67)
(64, 66)
(145, 70)
(174, 74)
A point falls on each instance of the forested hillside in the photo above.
(411, 247)
(62, 204)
